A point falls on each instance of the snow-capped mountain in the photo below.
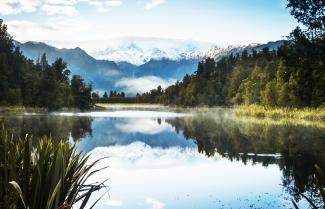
(137, 54)
(217, 52)
(140, 63)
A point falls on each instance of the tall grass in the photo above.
(312, 114)
(21, 109)
(46, 176)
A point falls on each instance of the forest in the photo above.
(39, 84)
(292, 76)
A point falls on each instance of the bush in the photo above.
(50, 175)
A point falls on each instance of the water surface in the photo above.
(163, 159)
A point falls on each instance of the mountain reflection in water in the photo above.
(175, 144)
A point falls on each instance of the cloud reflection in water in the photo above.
(178, 177)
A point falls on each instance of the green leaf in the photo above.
(18, 190)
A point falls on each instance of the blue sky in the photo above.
(218, 21)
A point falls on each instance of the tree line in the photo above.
(40, 84)
(112, 97)
(292, 76)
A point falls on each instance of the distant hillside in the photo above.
(167, 68)
(105, 74)
(187, 63)
(101, 73)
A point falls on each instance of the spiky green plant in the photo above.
(50, 175)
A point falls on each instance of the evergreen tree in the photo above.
(41, 84)
(310, 13)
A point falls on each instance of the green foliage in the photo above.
(115, 97)
(43, 85)
(270, 95)
(50, 175)
(308, 114)
(299, 143)
(293, 76)
(81, 93)
(310, 13)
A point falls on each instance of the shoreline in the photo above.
(257, 111)
(23, 109)
(307, 114)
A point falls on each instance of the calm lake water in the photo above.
(161, 159)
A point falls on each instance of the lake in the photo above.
(160, 158)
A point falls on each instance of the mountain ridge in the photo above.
(137, 55)
(104, 74)
(101, 73)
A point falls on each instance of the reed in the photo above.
(311, 114)
(46, 176)
(21, 109)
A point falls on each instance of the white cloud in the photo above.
(7, 9)
(62, 2)
(104, 6)
(53, 7)
(155, 204)
(57, 29)
(59, 10)
(12, 7)
(143, 84)
(153, 3)
(25, 28)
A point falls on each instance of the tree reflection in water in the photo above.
(60, 128)
(294, 147)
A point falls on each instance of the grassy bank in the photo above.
(310, 114)
(23, 109)
(256, 111)
(130, 105)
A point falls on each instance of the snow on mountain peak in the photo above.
(134, 47)
(136, 55)
(139, 54)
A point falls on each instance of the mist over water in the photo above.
(124, 114)
(197, 159)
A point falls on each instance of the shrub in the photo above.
(46, 176)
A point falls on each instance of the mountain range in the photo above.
(106, 68)
(100, 72)
(139, 53)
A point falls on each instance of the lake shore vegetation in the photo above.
(289, 77)
(40, 84)
(310, 114)
(46, 175)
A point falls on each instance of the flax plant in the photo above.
(50, 175)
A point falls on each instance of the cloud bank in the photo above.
(155, 204)
(153, 3)
(143, 84)
(62, 7)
